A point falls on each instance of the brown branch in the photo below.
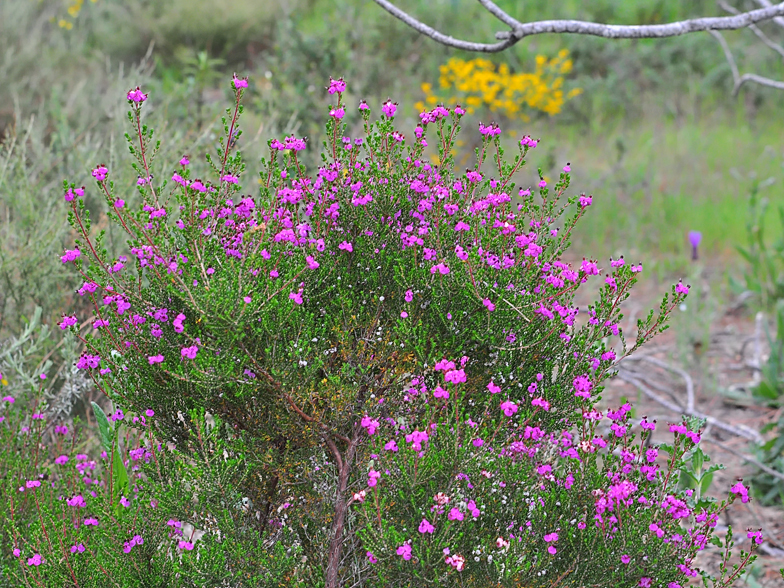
(521, 30)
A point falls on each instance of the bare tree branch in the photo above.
(738, 79)
(767, 4)
(442, 38)
(755, 29)
(521, 30)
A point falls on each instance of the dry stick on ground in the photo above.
(744, 432)
(768, 534)
(520, 30)
(712, 422)
(744, 457)
(682, 373)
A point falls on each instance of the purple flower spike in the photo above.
(694, 238)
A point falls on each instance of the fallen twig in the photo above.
(745, 432)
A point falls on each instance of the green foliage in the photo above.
(191, 491)
(306, 338)
(764, 273)
(764, 279)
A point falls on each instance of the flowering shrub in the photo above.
(124, 517)
(480, 83)
(393, 351)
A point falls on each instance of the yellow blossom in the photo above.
(480, 83)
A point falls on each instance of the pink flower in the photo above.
(444, 365)
(391, 445)
(61, 460)
(455, 376)
(740, 489)
(68, 321)
(370, 424)
(681, 289)
(426, 527)
(371, 558)
(541, 402)
(99, 173)
(337, 113)
(404, 551)
(490, 306)
(508, 407)
(626, 559)
(455, 515)
(389, 108)
(582, 386)
(416, 439)
(439, 392)
(373, 477)
(240, 82)
(136, 95)
(187, 545)
(493, 387)
(296, 297)
(155, 359)
(312, 263)
(187, 352)
(542, 184)
(336, 85)
(70, 255)
(346, 246)
(77, 501)
(35, 560)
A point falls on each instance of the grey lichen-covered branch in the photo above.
(519, 30)
(737, 78)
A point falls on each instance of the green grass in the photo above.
(672, 179)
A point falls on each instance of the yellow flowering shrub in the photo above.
(73, 10)
(480, 83)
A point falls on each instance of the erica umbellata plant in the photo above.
(395, 347)
(128, 512)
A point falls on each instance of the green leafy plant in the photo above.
(764, 275)
(375, 339)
